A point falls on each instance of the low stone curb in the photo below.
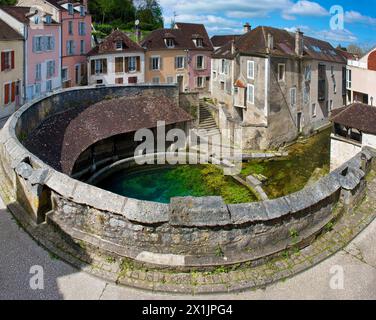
(222, 280)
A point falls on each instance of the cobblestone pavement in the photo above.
(18, 253)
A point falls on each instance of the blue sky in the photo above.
(312, 17)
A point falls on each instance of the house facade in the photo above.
(353, 129)
(41, 49)
(11, 71)
(75, 36)
(117, 60)
(179, 55)
(361, 79)
(273, 85)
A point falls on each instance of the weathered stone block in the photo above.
(247, 213)
(199, 212)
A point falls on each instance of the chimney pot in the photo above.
(247, 27)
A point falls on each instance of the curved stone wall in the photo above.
(190, 232)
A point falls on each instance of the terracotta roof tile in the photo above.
(357, 115)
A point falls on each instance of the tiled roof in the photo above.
(357, 115)
(219, 41)
(61, 139)
(21, 14)
(108, 44)
(8, 33)
(183, 35)
(255, 42)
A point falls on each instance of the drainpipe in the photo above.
(24, 63)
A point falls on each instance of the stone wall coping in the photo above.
(194, 212)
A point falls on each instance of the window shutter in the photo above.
(43, 43)
(2, 61)
(176, 62)
(13, 91)
(105, 66)
(92, 67)
(6, 94)
(52, 43)
(160, 63)
(151, 64)
(138, 63)
(12, 60)
(68, 47)
(126, 63)
(185, 63)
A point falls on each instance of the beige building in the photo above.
(272, 85)
(11, 71)
(361, 79)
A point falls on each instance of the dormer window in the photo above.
(82, 11)
(170, 43)
(36, 19)
(70, 8)
(119, 45)
(48, 19)
(199, 42)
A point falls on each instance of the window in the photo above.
(222, 85)
(119, 64)
(64, 74)
(82, 11)
(132, 80)
(50, 43)
(48, 19)
(200, 82)
(132, 64)
(70, 47)
(199, 43)
(179, 62)
(81, 28)
(38, 89)
(7, 60)
(332, 70)
(155, 80)
(36, 19)
(119, 45)
(170, 43)
(334, 87)
(82, 47)
(293, 97)
(50, 69)
(70, 27)
(306, 93)
(99, 66)
(251, 94)
(170, 80)
(314, 111)
(214, 74)
(119, 80)
(250, 69)
(307, 73)
(281, 72)
(70, 8)
(331, 105)
(223, 66)
(49, 85)
(38, 72)
(9, 92)
(37, 44)
(200, 64)
(155, 63)
(349, 80)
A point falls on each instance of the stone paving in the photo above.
(222, 279)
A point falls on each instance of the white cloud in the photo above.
(339, 36)
(304, 8)
(357, 17)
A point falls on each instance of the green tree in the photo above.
(149, 12)
(7, 2)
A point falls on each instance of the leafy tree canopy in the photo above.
(7, 2)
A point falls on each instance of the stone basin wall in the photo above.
(190, 232)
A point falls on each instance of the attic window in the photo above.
(70, 8)
(48, 19)
(119, 45)
(199, 43)
(82, 11)
(170, 43)
(316, 49)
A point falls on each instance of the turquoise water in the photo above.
(162, 184)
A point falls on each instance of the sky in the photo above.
(337, 21)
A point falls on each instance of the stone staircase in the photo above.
(207, 125)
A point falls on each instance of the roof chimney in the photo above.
(247, 27)
(270, 42)
(299, 42)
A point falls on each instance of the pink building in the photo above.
(75, 36)
(41, 48)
